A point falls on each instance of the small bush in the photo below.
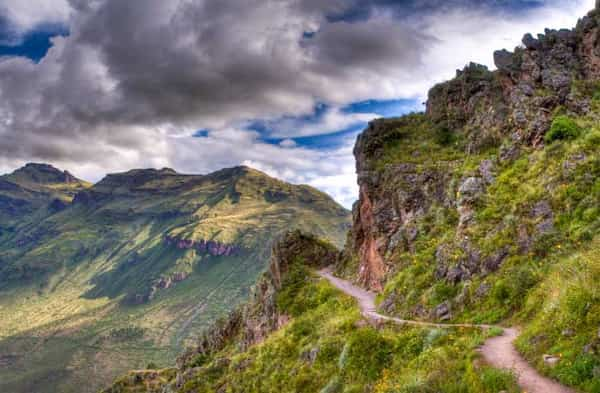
(563, 127)
(366, 353)
(444, 136)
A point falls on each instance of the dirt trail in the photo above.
(497, 351)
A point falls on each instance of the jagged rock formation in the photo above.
(210, 247)
(519, 99)
(550, 74)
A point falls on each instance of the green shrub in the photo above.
(443, 136)
(365, 355)
(563, 127)
(494, 380)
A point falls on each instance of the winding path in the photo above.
(497, 351)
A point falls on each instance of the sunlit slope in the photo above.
(138, 264)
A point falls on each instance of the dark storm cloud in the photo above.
(133, 76)
(211, 62)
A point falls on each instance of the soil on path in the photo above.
(497, 351)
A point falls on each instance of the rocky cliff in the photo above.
(483, 209)
(479, 113)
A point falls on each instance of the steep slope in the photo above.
(299, 334)
(135, 266)
(508, 204)
(483, 210)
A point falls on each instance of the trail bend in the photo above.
(498, 351)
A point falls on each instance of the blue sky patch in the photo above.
(33, 45)
(385, 108)
(333, 138)
(203, 133)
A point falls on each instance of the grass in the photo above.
(328, 346)
(349, 354)
(539, 272)
(64, 292)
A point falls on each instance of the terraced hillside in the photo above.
(95, 280)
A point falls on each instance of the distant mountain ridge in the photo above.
(148, 254)
(33, 187)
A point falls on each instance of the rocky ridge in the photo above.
(507, 109)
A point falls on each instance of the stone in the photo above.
(388, 305)
(510, 152)
(503, 60)
(455, 275)
(482, 290)
(568, 332)
(588, 349)
(530, 42)
(470, 190)
(310, 356)
(442, 311)
(486, 169)
(494, 261)
(551, 360)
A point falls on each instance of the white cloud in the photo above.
(134, 79)
(24, 15)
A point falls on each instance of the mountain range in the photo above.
(97, 279)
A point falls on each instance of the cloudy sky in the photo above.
(284, 86)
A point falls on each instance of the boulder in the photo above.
(442, 312)
(504, 60)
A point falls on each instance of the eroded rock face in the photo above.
(390, 202)
(210, 247)
(519, 98)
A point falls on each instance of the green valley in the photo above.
(98, 279)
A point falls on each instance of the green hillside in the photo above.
(127, 271)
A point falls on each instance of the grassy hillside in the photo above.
(135, 266)
(520, 249)
(324, 345)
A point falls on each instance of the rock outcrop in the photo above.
(530, 84)
(515, 103)
(391, 200)
(163, 282)
(210, 247)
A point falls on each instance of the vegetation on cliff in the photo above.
(485, 208)
(322, 345)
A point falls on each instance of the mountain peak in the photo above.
(41, 173)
